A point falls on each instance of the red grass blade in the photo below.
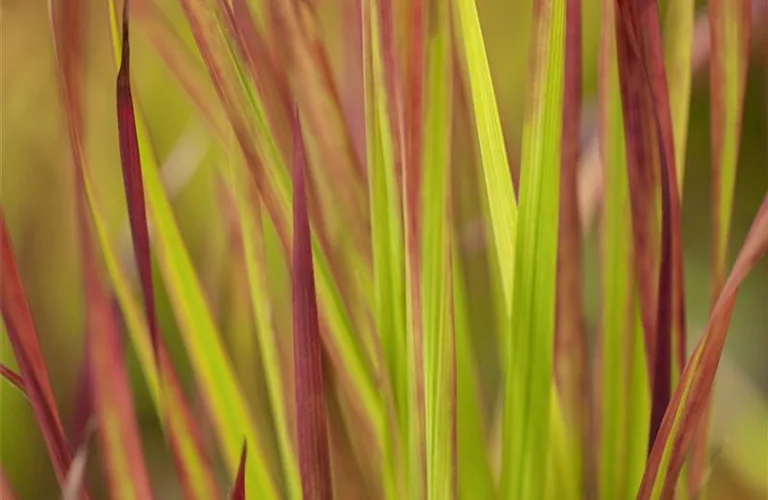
(689, 401)
(311, 420)
(6, 493)
(14, 379)
(571, 370)
(132, 180)
(648, 128)
(238, 490)
(26, 349)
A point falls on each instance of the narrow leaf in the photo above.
(132, 178)
(6, 493)
(439, 350)
(26, 348)
(311, 420)
(529, 377)
(14, 379)
(648, 128)
(192, 464)
(691, 395)
(238, 490)
(498, 180)
(571, 368)
(622, 374)
(729, 28)
(214, 372)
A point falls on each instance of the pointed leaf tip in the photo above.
(238, 490)
(133, 181)
(311, 421)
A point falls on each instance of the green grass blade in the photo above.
(498, 180)
(678, 43)
(529, 379)
(439, 362)
(729, 27)
(214, 372)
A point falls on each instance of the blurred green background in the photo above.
(36, 192)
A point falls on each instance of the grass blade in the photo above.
(311, 420)
(729, 27)
(26, 348)
(648, 128)
(184, 439)
(132, 179)
(213, 370)
(529, 379)
(391, 308)
(689, 401)
(439, 349)
(14, 379)
(6, 493)
(498, 180)
(678, 43)
(238, 490)
(624, 394)
(571, 368)
(111, 393)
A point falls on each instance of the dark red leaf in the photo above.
(132, 180)
(311, 419)
(6, 493)
(648, 129)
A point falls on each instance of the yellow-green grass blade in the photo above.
(249, 215)
(529, 376)
(439, 362)
(678, 43)
(624, 395)
(563, 481)
(214, 372)
(498, 180)
(388, 252)
(475, 481)
(729, 27)
(243, 108)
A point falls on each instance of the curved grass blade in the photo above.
(529, 377)
(311, 419)
(224, 398)
(571, 366)
(238, 490)
(729, 26)
(76, 476)
(648, 128)
(498, 180)
(132, 179)
(624, 395)
(26, 348)
(689, 401)
(439, 346)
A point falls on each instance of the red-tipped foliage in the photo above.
(311, 419)
(238, 489)
(132, 180)
(14, 379)
(24, 342)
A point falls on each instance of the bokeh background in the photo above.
(36, 193)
